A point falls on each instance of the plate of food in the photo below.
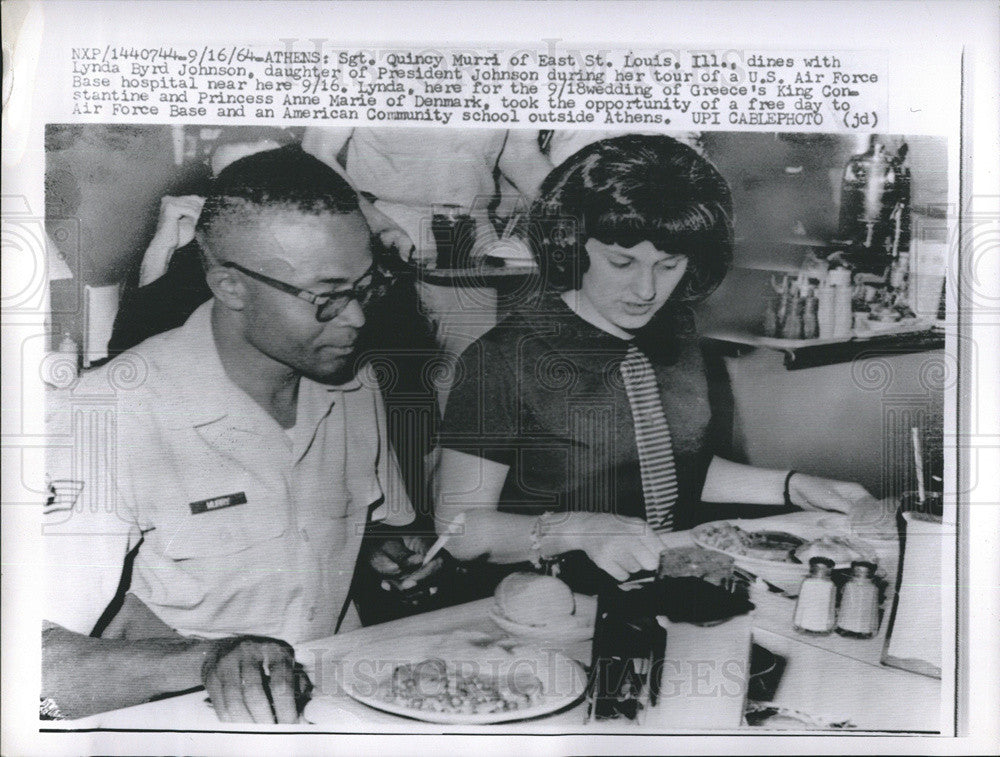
(779, 557)
(463, 677)
(531, 606)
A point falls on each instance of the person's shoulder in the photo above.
(132, 376)
(500, 337)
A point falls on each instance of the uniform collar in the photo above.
(205, 394)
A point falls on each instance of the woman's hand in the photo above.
(874, 518)
(815, 493)
(618, 545)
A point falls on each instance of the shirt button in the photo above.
(305, 534)
(312, 614)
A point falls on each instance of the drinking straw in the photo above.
(918, 458)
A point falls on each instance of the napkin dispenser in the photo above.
(706, 673)
(913, 640)
(651, 662)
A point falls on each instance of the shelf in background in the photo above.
(478, 276)
(811, 353)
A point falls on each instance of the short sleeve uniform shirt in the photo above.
(245, 528)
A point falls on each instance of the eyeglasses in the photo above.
(373, 283)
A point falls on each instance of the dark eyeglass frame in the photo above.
(371, 284)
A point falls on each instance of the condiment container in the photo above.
(816, 609)
(810, 317)
(771, 317)
(843, 311)
(824, 310)
(792, 327)
(706, 674)
(858, 613)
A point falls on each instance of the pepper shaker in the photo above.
(858, 615)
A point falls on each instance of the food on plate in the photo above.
(534, 600)
(680, 562)
(837, 548)
(722, 536)
(778, 546)
(761, 545)
(467, 673)
(771, 545)
(433, 685)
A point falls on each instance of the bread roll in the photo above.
(534, 600)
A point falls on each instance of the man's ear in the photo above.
(227, 287)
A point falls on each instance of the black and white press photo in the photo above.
(482, 427)
(556, 378)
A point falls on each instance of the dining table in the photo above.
(836, 680)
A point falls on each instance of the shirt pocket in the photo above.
(222, 530)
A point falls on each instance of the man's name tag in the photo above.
(217, 503)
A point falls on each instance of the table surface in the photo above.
(826, 676)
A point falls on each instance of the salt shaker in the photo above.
(816, 609)
(858, 615)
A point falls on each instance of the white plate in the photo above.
(786, 576)
(364, 669)
(806, 535)
(579, 627)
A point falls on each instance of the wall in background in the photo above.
(848, 420)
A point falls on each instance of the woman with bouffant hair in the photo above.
(594, 421)
(626, 191)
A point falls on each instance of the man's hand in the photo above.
(174, 228)
(399, 559)
(251, 679)
(815, 493)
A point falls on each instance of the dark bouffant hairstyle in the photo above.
(284, 178)
(627, 190)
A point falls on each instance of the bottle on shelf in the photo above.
(843, 311)
(824, 310)
(771, 317)
(810, 316)
(792, 327)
